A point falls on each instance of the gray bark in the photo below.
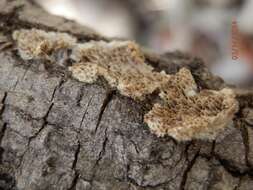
(58, 133)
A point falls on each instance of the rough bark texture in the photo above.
(57, 133)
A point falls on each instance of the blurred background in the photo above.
(218, 31)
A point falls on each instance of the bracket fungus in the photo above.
(184, 112)
(187, 114)
(35, 44)
(122, 64)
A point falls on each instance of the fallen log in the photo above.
(58, 132)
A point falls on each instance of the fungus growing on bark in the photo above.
(184, 113)
(122, 64)
(34, 44)
(187, 114)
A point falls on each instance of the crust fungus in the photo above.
(34, 44)
(122, 64)
(187, 114)
(184, 112)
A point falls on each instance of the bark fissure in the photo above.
(30, 139)
(3, 132)
(99, 158)
(232, 169)
(188, 169)
(83, 117)
(56, 88)
(1, 112)
(3, 104)
(76, 156)
(102, 152)
(132, 181)
(107, 100)
(244, 133)
(74, 182)
(22, 78)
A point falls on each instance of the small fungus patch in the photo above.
(122, 64)
(35, 44)
(184, 112)
(187, 114)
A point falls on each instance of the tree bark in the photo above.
(58, 133)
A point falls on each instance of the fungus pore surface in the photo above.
(122, 64)
(187, 114)
(184, 112)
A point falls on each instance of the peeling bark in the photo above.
(58, 133)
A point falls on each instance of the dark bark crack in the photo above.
(3, 103)
(188, 169)
(74, 182)
(100, 156)
(133, 182)
(1, 138)
(107, 100)
(83, 117)
(77, 175)
(245, 138)
(56, 88)
(76, 156)
(1, 112)
(22, 78)
(35, 135)
(232, 169)
(102, 152)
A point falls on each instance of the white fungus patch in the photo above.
(35, 44)
(184, 113)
